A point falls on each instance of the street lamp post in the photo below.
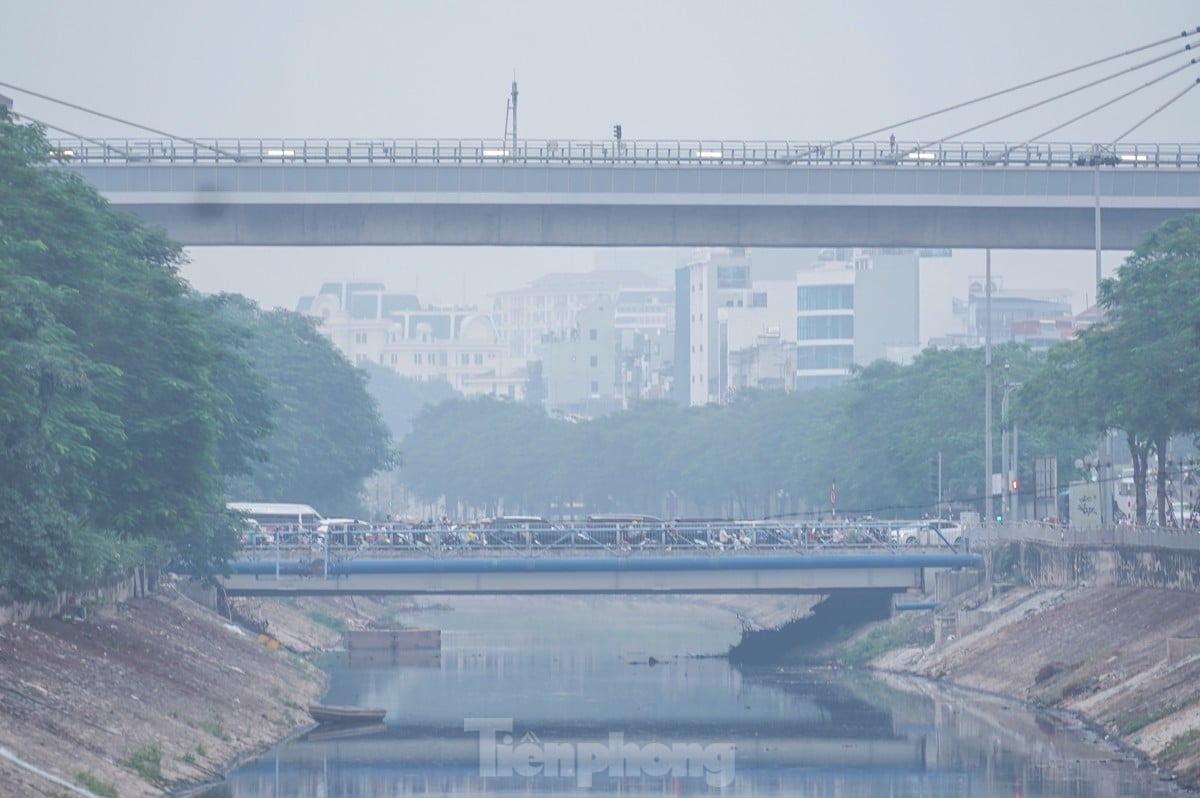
(988, 465)
(1009, 467)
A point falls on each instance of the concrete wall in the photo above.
(1045, 565)
(72, 603)
(394, 639)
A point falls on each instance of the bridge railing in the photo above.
(676, 153)
(1109, 536)
(581, 540)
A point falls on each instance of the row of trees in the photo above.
(128, 403)
(766, 453)
(1137, 371)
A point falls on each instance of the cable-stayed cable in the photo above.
(80, 136)
(115, 119)
(1104, 105)
(1157, 110)
(1027, 84)
(1068, 93)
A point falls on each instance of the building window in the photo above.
(395, 358)
(592, 334)
(360, 338)
(478, 359)
(465, 359)
(441, 358)
(595, 388)
(417, 359)
(758, 300)
(825, 297)
(810, 328)
(824, 357)
(593, 361)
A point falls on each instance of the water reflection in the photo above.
(563, 699)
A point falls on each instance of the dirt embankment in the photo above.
(1124, 658)
(151, 695)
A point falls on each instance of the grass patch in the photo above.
(214, 726)
(95, 785)
(1180, 744)
(1131, 725)
(188, 758)
(883, 637)
(146, 762)
(327, 620)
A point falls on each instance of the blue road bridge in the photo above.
(722, 557)
(336, 192)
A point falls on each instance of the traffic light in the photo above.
(999, 517)
(934, 478)
(617, 132)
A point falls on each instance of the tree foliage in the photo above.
(767, 453)
(113, 415)
(1138, 369)
(326, 435)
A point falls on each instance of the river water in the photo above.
(538, 696)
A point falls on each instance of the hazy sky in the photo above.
(788, 69)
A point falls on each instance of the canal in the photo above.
(621, 696)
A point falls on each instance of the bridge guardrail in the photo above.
(625, 153)
(1111, 536)
(711, 539)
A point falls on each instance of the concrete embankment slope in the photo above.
(1125, 657)
(143, 696)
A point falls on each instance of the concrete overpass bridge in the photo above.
(307, 192)
(562, 573)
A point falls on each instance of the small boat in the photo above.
(341, 731)
(327, 713)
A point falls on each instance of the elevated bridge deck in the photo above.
(634, 193)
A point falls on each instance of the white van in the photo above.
(278, 516)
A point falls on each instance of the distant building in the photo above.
(854, 307)
(743, 315)
(547, 306)
(1017, 315)
(460, 345)
(824, 324)
(769, 364)
(579, 367)
(700, 287)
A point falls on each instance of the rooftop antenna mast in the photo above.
(511, 111)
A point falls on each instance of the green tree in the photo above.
(123, 420)
(327, 436)
(1149, 343)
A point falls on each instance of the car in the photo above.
(926, 533)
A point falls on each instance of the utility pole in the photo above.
(513, 103)
(987, 390)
